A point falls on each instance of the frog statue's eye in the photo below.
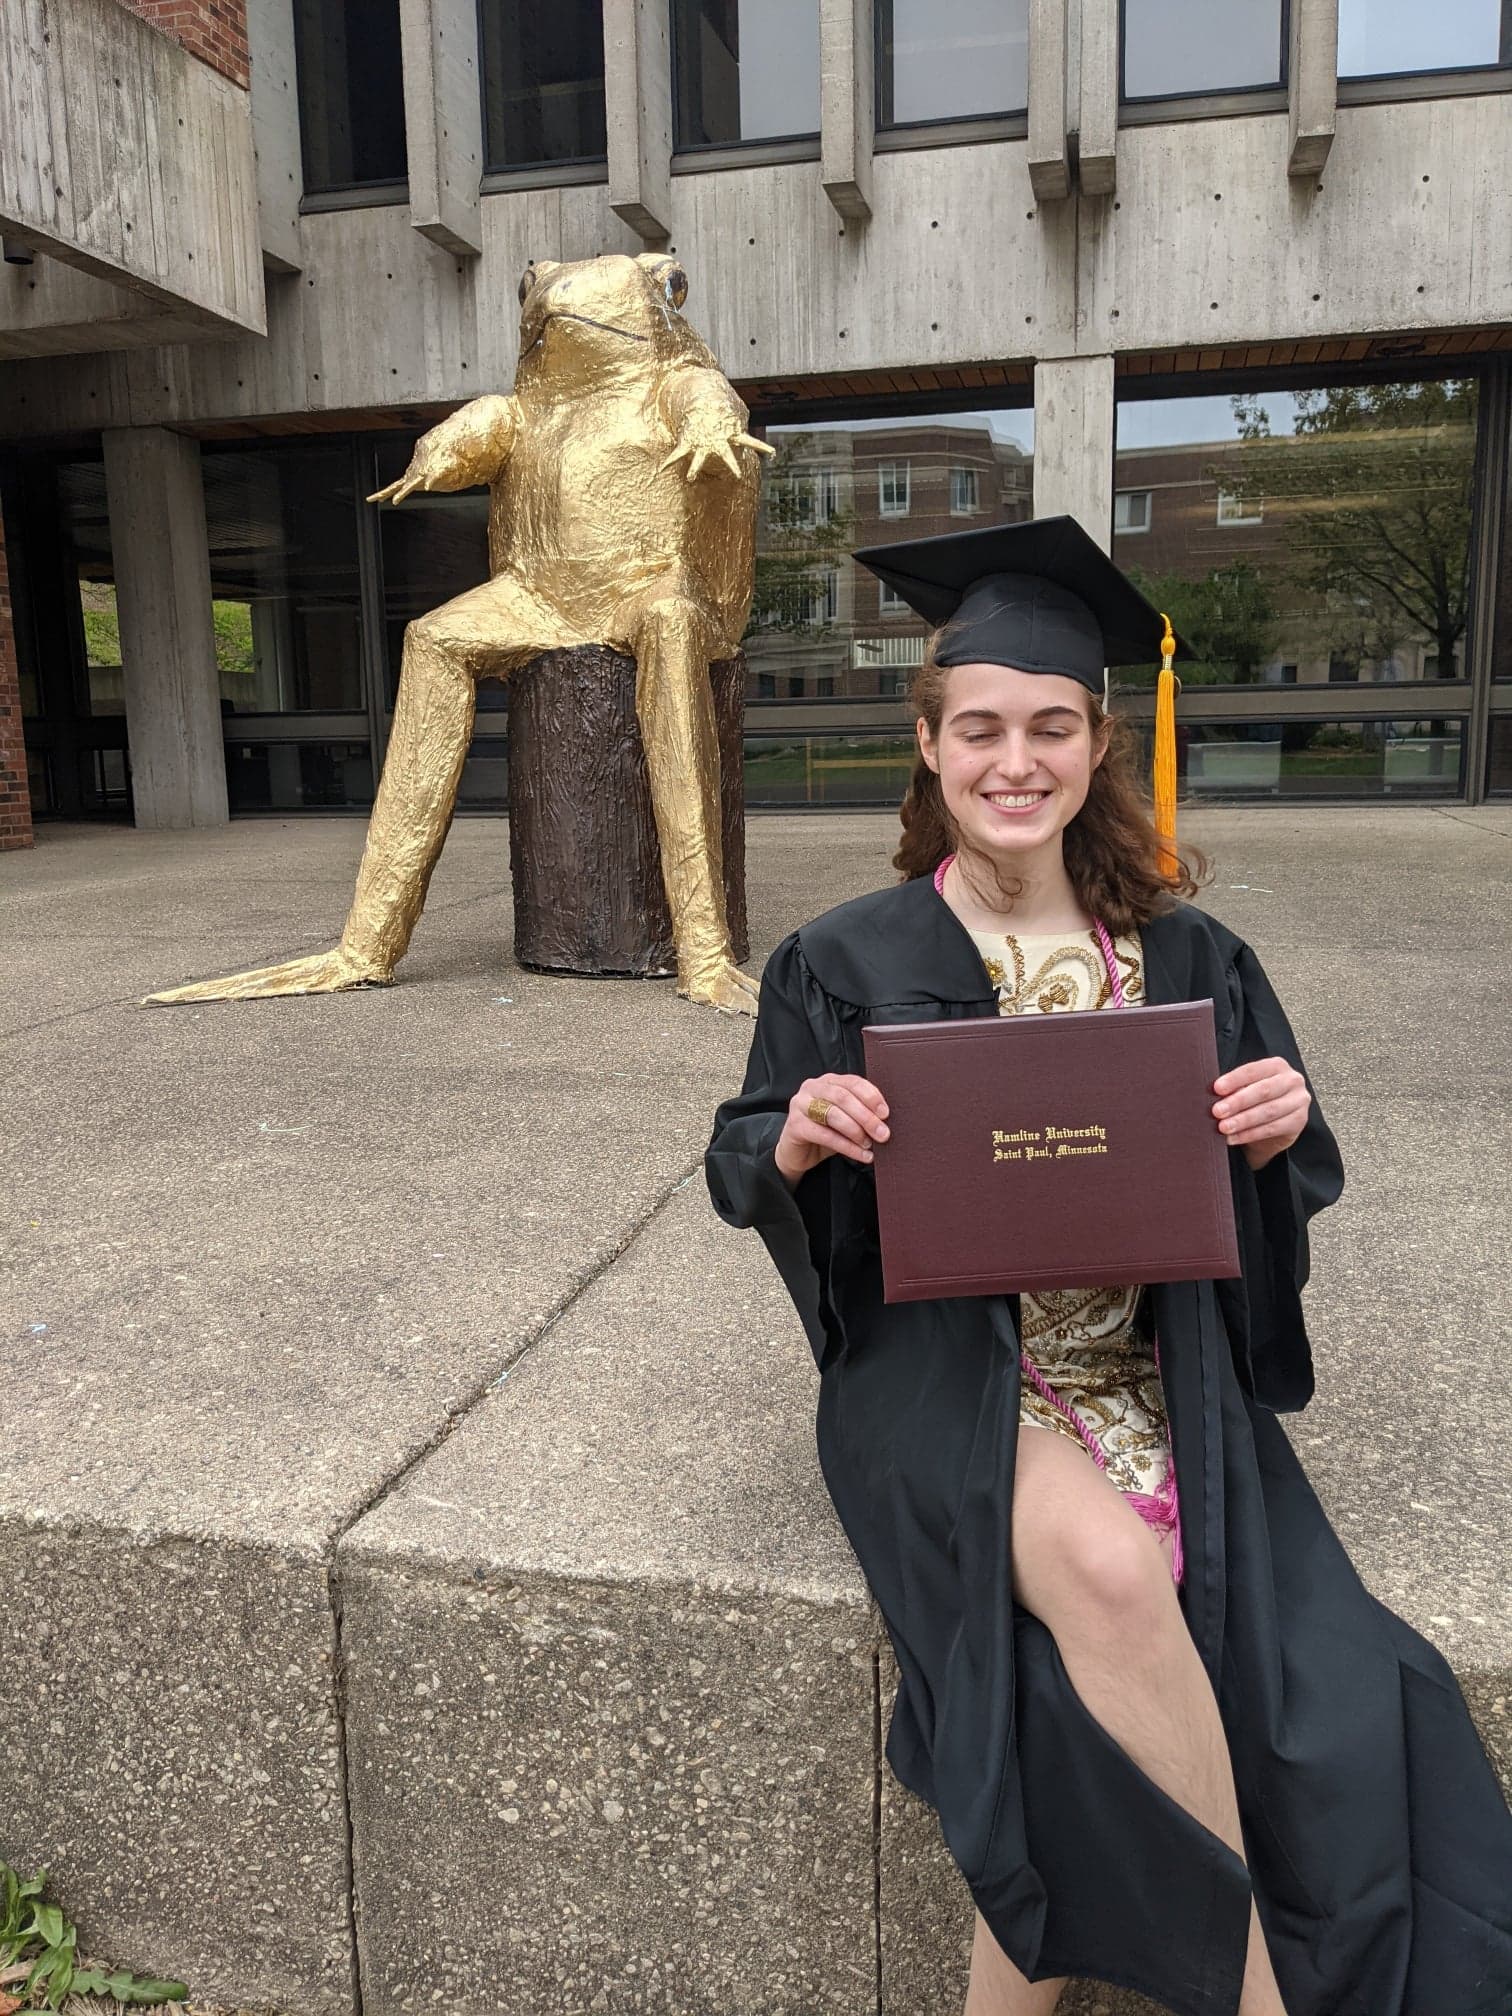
(675, 286)
(527, 281)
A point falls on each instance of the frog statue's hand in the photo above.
(707, 437)
(470, 446)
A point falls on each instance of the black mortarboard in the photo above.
(1041, 596)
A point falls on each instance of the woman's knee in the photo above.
(1083, 1559)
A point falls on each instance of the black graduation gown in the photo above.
(1378, 1842)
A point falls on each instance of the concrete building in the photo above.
(1230, 279)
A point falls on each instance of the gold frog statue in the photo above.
(622, 511)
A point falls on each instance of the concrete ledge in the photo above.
(407, 1445)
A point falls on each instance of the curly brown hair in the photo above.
(1112, 850)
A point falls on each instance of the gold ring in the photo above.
(818, 1111)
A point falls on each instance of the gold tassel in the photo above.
(1165, 749)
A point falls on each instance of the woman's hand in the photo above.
(1262, 1108)
(857, 1116)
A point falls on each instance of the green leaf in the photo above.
(48, 1922)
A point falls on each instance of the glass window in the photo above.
(892, 489)
(951, 59)
(102, 646)
(1392, 38)
(1240, 760)
(1356, 566)
(828, 769)
(1186, 48)
(1131, 511)
(351, 93)
(298, 776)
(283, 574)
(963, 492)
(543, 81)
(1237, 508)
(820, 625)
(1499, 757)
(745, 70)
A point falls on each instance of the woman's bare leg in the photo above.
(1089, 1568)
(997, 1988)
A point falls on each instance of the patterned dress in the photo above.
(1092, 1346)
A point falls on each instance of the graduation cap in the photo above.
(1041, 596)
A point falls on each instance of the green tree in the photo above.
(805, 532)
(1375, 486)
(1227, 620)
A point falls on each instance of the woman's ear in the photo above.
(927, 747)
(1102, 735)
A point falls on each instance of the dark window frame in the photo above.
(318, 195)
(1501, 62)
(1221, 98)
(882, 80)
(688, 152)
(502, 174)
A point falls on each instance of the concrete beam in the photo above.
(1313, 84)
(638, 109)
(443, 121)
(275, 132)
(1049, 156)
(130, 159)
(1096, 164)
(1073, 442)
(173, 720)
(847, 104)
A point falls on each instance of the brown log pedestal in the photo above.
(583, 852)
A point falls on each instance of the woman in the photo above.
(1189, 1755)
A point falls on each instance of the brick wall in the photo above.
(15, 799)
(213, 30)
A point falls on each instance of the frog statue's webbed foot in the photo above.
(725, 987)
(319, 973)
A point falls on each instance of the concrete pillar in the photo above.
(1096, 165)
(275, 131)
(1073, 442)
(1049, 160)
(162, 568)
(638, 112)
(847, 103)
(443, 121)
(1313, 84)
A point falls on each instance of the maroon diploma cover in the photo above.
(1070, 1150)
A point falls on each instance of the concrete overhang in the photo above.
(128, 164)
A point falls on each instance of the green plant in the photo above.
(27, 1924)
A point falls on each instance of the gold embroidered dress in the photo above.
(1090, 1345)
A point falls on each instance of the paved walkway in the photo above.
(414, 1492)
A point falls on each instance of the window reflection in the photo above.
(298, 776)
(1387, 38)
(745, 70)
(823, 628)
(828, 769)
(283, 574)
(351, 93)
(1306, 537)
(543, 81)
(1237, 760)
(1182, 48)
(951, 59)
